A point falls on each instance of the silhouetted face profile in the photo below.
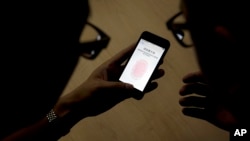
(38, 43)
(219, 31)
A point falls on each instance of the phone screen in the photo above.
(142, 64)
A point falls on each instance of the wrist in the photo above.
(61, 109)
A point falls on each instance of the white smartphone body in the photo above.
(150, 49)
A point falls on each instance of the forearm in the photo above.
(45, 130)
(31, 132)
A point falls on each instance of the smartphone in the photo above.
(145, 59)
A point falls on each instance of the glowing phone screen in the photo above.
(142, 64)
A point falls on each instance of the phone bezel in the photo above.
(155, 39)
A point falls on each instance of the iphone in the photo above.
(145, 59)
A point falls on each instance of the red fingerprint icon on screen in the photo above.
(139, 69)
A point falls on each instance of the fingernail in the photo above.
(181, 101)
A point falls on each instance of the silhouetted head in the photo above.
(219, 30)
(38, 46)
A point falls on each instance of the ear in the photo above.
(223, 32)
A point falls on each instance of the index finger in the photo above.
(194, 77)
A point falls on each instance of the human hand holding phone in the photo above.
(148, 53)
(102, 90)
